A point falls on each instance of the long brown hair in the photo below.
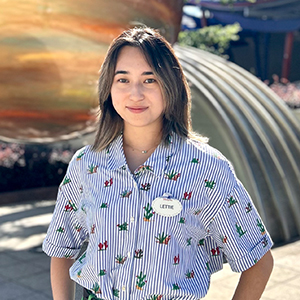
(165, 66)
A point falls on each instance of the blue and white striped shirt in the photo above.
(138, 252)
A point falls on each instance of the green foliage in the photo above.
(225, 2)
(215, 39)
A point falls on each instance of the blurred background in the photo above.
(241, 59)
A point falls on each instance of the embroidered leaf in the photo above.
(223, 239)
(264, 242)
(138, 253)
(140, 282)
(70, 206)
(182, 220)
(78, 228)
(145, 187)
(96, 288)
(65, 181)
(116, 292)
(123, 227)
(189, 274)
(120, 259)
(261, 226)
(141, 169)
(197, 212)
(201, 242)
(155, 297)
(102, 272)
(239, 230)
(189, 241)
(209, 184)
(231, 201)
(163, 238)
(80, 155)
(104, 205)
(92, 169)
(168, 158)
(173, 175)
(148, 214)
(248, 207)
(61, 230)
(82, 257)
(126, 194)
(207, 266)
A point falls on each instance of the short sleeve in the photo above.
(239, 230)
(66, 233)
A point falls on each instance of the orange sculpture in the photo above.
(50, 54)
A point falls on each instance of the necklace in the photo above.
(141, 151)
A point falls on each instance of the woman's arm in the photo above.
(253, 281)
(63, 288)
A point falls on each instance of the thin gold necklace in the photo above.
(142, 151)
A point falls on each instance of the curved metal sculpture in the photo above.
(255, 130)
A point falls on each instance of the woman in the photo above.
(159, 206)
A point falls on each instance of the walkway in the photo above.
(25, 269)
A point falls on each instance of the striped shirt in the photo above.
(159, 232)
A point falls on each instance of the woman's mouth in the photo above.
(136, 110)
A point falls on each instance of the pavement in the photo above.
(25, 270)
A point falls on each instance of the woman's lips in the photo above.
(136, 110)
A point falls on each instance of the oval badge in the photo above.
(166, 206)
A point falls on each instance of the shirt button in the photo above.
(128, 254)
(135, 184)
(132, 219)
(123, 288)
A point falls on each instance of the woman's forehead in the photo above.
(130, 58)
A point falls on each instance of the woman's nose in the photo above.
(136, 92)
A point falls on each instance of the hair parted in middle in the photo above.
(165, 65)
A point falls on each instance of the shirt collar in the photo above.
(156, 163)
(116, 157)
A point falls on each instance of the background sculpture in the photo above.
(50, 55)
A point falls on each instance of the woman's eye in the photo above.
(150, 80)
(122, 80)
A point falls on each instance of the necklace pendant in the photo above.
(144, 151)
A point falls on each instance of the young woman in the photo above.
(159, 206)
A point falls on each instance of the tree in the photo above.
(215, 39)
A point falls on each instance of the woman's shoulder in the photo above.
(87, 154)
(203, 149)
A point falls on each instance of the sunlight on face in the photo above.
(136, 93)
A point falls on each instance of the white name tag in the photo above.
(166, 206)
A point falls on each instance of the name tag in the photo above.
(166, 206)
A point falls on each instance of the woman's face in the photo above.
(136, 93)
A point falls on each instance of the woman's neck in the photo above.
(138, 145)
(141, 138)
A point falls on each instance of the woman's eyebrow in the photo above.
(121, 72)
(126, 72)
(148, 73)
